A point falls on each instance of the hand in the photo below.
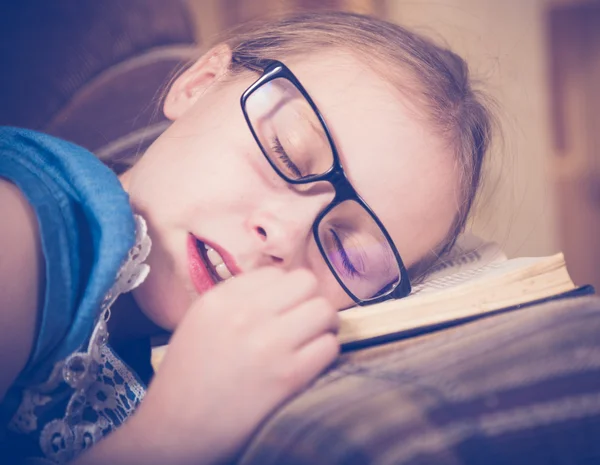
(240, 351)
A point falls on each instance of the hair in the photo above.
(433, 77)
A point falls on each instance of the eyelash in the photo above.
(346, 263)
(278, 148)
(348, 266)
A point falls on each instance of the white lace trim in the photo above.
(101, 382)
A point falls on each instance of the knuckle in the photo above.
(261, 281)
(319, 310)
(324, 310)
(220, 307)
(335, 321)
(269, 273)
(323, 305)
(331, 346)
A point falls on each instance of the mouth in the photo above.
(208, 265)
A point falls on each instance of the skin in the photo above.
(271, 329)
(206, 175)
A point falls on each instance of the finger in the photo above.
(305, 322)
(315, 356)
(267, 290)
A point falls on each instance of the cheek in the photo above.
(199, 176)
(328, 285)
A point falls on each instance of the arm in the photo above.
(21, 282)
(21, 294)
(240, 351)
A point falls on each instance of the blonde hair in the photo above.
(433, 77)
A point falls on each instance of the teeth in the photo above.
(217, 262)
(223, 271)
(214, 257)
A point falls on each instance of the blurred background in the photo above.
(64, 65)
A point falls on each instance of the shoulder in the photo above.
(85, 226)
(21, 281)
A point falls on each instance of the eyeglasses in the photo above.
(294, 138)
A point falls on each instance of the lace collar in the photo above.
(92, 391)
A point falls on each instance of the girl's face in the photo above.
(205, 178)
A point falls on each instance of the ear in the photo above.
(195, 80)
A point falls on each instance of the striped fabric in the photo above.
(518, 388)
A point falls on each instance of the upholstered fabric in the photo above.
(517, 388)
(92, 72)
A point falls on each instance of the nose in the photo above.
(282, 224)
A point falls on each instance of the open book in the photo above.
(475, 279)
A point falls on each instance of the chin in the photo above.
(160, 307)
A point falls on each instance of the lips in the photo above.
(208, 264)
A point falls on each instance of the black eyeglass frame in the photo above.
(272, 69)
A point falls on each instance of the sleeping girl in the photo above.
(313, 163)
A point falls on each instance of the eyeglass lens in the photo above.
(293, 138)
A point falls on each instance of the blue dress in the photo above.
(74, 389)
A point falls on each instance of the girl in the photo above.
(349, 167)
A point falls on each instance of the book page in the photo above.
(469, 258)
(498, 285)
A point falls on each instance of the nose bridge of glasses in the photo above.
(309, 203)
(341, 185)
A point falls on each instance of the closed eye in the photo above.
(346, 262)
(285, 159)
